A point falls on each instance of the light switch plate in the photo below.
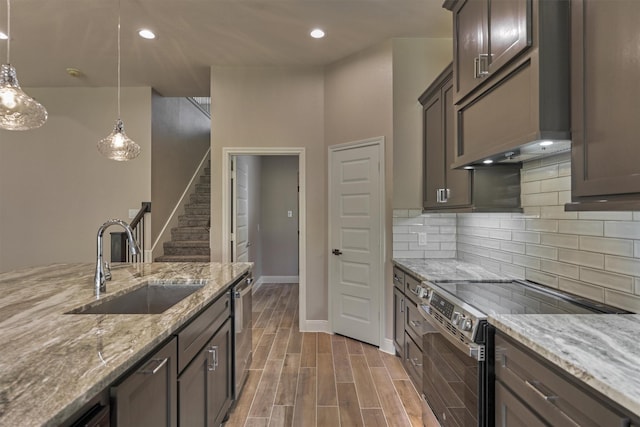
(290, 214)
(422, 239)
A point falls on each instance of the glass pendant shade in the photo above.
(18, 111)
(118, 146)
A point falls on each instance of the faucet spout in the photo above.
(101, 275)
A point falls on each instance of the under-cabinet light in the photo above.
(487, 162)
(317, 33)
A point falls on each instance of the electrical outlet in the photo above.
(422, 239)
(290, 214)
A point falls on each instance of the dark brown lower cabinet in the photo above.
(148, 396)
(205, 386)
(530, 391)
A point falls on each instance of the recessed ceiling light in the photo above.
(3, 36)
(487, 162)
(146, 34)
(317, 33)
(546, 143)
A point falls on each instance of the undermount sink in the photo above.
(148, 299)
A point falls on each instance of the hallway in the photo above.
(316, 379)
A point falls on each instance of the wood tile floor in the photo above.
(315, 379)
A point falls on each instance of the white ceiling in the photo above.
(49, 36)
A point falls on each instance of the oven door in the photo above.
(452, 380)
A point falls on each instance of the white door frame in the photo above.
(227, 153)
(379, 141)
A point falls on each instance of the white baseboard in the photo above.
(387, 346)
(315, 326)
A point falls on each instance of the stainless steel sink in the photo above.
(148, 299)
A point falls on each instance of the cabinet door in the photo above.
(469, 39)
(148, 397)
(398, 320)
(220, 377)
(509, 31)
(605, 93)
(204, 386)
(511, 412)
(433, 150)
(458, 181)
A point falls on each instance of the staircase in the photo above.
(190, 239)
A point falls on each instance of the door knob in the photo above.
(336, 252)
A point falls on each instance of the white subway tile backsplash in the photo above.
(622, 229)
(400, 246)
(607, 245)
(439, 254)
(560, 268)
(530, 187)
(540, 199)
(501, 256)
(400, 213)
(619, 299)
(556, 212)
(538, 174)
(606, 216)
(564, 197)
(542, 278)
(606, 279)
(539, 251)
(556, 184)
(512, 271)
(512, 224)
(549, 225)
(414, 212)
(409, 254)
(596, 293)
(526, 261)
(630, 266)
(564, 169)
(407, 221)
(582, 227)
(559, 240)
(500, 234)
(588, 259)
(513, 247)
(525, 236)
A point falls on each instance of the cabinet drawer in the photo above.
(414, 323)
(398, 278)
(548, 391)
(195, 335)
(413, 361)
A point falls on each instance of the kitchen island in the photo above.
(52, 363)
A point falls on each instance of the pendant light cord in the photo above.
(118, 59)
(8, 31)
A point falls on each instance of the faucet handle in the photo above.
(107, 271)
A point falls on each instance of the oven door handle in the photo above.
(475, 351)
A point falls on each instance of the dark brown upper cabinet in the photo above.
(488, 34)
(484, 189)
(511, 78)
(605, 105)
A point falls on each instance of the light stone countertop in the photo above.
(52, 363)
(602, 350)
(447, 269)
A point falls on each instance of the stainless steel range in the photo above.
(458, 351)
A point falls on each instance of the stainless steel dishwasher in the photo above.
(242, 308)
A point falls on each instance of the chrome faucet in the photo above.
(103, 272)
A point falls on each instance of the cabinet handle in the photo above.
(415, 364)
(146, 370)
(402, 305)
(447, 194)
(414, 323)
(483, 65)
(476, 68)
(535, 386)
(213, 353)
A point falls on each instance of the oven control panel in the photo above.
(442, 305)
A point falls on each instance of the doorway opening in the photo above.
(273, 234)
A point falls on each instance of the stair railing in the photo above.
(120, 244)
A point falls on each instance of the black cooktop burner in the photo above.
(519, 297)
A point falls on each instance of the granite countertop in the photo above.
(448, 269)
(602, 350)
(52, 363)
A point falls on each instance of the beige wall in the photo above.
(359, 105)
(416, 62)
(275, 107)
(56, 189)
(279, 194)
(181, 137)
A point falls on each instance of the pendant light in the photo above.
(18, 111)
(118, 146)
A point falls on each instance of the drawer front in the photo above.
(414, 323)
(398, 278)
(196, 334)
(547, 391)
(413, 361)
(410, 286)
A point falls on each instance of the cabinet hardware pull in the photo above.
(535, 386)
(483, 65)
(447, 194)
(402, 305)
(213, 353)
(414, 363)
(148, 371)
(476, 68)
(414, 323)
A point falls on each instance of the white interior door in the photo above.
(241, 209)
(355, 242)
